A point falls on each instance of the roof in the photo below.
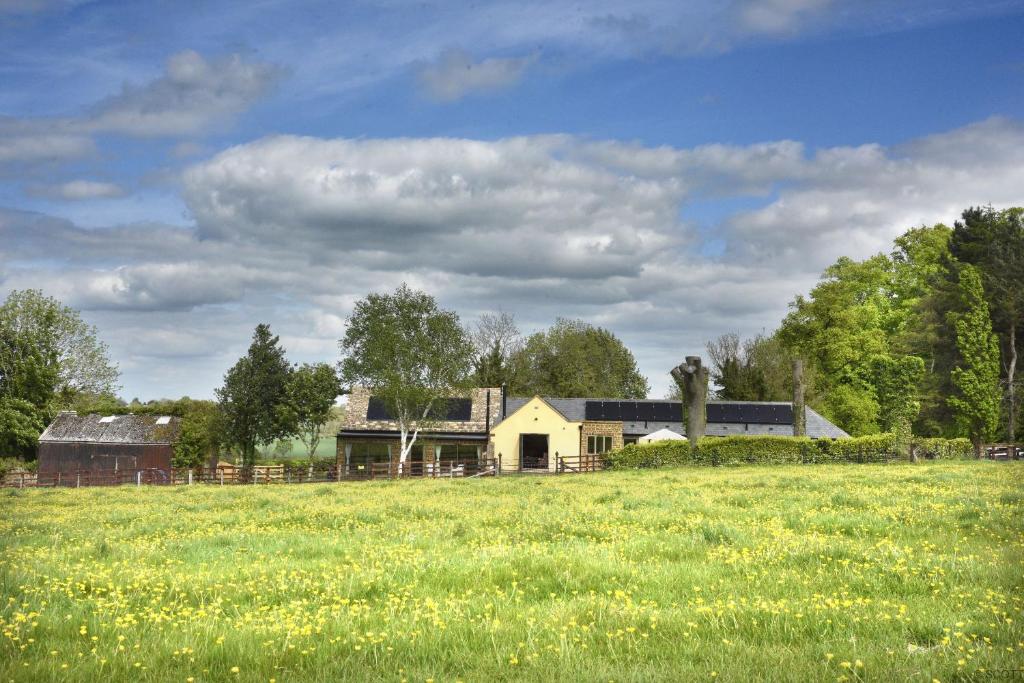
(663, 435)
(69, 427)
(762, 417)
(469, 411)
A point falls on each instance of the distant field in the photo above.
(325, 449)
(855, 572)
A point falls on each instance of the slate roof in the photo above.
(574, 410)
(70, 427)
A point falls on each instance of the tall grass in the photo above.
(896, 572)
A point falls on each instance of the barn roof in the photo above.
(127, 429)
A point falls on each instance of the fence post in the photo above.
(255, 475)
(138, 478)
(78, 480)
(22, 480)
(190, 477)
(221, 470)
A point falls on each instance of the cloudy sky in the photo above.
(673, 170)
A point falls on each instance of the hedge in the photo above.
(779, 450)
(643, 456)
(763, 450)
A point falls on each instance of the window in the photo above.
(366, 453)
(459, 453)
(598, 444)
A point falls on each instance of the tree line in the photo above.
(922, 339)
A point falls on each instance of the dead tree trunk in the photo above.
(799, 411)
(692, 378)
(1011, 389)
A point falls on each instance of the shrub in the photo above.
(643, 456)
(943, 449)
(870, 448)
(765, 450)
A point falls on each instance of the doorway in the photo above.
(533, 453)
(416, 460)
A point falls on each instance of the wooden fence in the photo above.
(260, 474)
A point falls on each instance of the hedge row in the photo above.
(779, 450)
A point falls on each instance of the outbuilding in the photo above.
(107, 443)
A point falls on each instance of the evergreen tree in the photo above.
(976, 377)
(253, 395)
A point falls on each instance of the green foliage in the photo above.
(744, 450)
(574, 359)
(62, 340)
(200, 438)
(781, 450)
(408, 352)
(312, 390)
(937, 448)
(648, 455)
(21, 423)
(976, 376)
(254, 390)
(869, 448)
(896, 382)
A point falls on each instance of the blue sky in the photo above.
(670, 170)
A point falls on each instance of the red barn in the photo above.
(103, 444)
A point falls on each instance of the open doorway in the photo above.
(533, 451)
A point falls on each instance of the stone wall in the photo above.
(359, 401)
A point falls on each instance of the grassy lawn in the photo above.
(868, 572)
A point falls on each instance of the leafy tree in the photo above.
(200, 435)
(574, 359)
(409, 353)
(312, 390)
(896, 382)
(993, 241)
(21, 423)
(254, 392)
(63, 339)
(497, 344)
(847, 320)
(976, 376)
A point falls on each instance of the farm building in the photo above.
(97, 443)
(542, 434)
(458, 435)
(536, 434)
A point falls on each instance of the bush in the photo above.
(16, 465)
(943, 449)
(764, 450)
(870, 448)
(643, 456)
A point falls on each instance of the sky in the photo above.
(672, 171)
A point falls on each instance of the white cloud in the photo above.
(455, 74)
(293, 231)
(77, 190)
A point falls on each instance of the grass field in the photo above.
(855, 572)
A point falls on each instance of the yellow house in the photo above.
(534, 437)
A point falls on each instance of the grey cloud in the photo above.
(456, 74)
(192, 94)
(294, 230)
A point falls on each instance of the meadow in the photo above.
(826, 572)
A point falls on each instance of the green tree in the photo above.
(199, 439)
(993, 241)
(312, 391)
(21, 423)
(59, 334)
(497, 344)
(409, 353)
(976, 376)
(254, 391)
(897, 382)
(574, 359)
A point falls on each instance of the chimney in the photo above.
(504, 393)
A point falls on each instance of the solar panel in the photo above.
(750, 413)
(452, 410)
